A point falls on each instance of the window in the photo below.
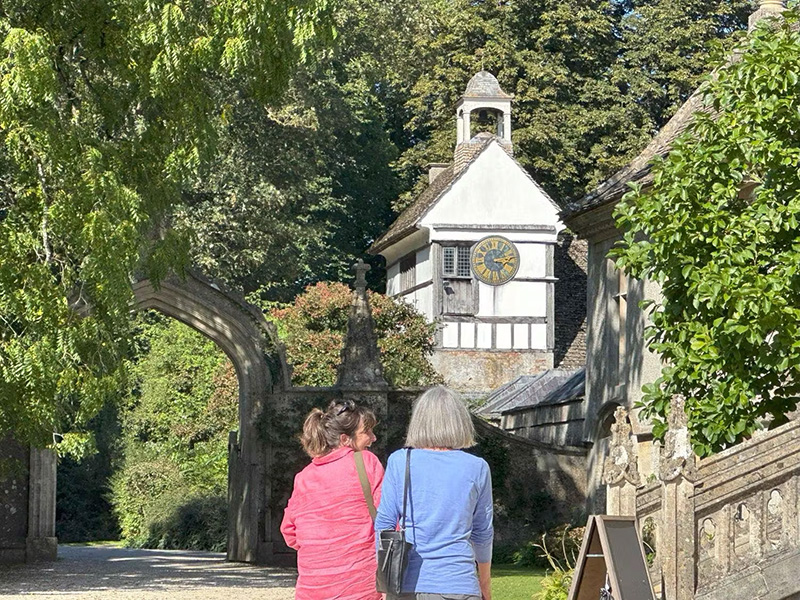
(456, 261)
(458, 297)
(408, 274)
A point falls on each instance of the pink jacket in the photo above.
(328, 523)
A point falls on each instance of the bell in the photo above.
(483, 117)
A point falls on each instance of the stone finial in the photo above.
(678, 458)
(360, 363)
(622, 463)
(767, 8)
(361, 268)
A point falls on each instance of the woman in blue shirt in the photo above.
(449, 514)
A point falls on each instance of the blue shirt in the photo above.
(448, 518)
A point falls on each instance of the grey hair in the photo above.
(440, 419)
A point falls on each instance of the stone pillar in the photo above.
(677, 542)
(359, 375)
(621, 468)
(767, 8)
(41, 543)
(467, 127)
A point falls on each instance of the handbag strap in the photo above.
(406, 485)
(362, 477)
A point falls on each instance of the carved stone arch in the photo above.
(237, 327)
(241, 331)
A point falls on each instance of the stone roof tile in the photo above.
(484, 85)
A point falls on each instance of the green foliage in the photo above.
(556, 584)
(557, 548)
(108, 109)
(194, 522)
(175, 427)
(592, 80)
(83, 511)
(718, 231)
(313, 330)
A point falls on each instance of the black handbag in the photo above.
(393, 548)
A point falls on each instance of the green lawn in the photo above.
(510, 582)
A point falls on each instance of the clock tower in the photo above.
(475, 252)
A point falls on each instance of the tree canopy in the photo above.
(138, 135)
(314, 327)
(718, 230)
(108, 109)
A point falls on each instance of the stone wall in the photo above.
(569, 265)
(27, 503)
(13, 501)
(478, 371)
(534, 485)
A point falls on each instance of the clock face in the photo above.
(495, 260)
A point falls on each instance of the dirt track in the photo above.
(113, 573)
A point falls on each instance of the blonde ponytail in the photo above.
(321, 429)
(313, 438)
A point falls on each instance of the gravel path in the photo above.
(114, 573)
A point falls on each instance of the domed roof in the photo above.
(484, 85)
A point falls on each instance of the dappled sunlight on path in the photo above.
(114, 573)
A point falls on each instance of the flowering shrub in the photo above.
(314, 326)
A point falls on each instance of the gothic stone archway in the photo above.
(241, 331)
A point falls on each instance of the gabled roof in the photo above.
(408, 220)
(406, 223)
(639, 170)
(548, 388)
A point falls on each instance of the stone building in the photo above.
(617, 361)
(480, 251)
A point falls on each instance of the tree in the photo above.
(592, 80)
(718, 230)
(108, 108)
(174, 442)
(314, 326)
(300, 190)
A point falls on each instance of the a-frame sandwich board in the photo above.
(612, 556)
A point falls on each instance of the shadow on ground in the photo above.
(99, 568)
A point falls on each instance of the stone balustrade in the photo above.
(723, 528)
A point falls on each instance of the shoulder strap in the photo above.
(405, 487)
(362, 477)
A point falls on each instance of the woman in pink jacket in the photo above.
(327, 519)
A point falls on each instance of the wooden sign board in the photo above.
(611, 564)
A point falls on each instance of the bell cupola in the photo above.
(484, 107)
(482, 113)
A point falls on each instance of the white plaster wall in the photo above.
(424, 302)
(514, 299)
(467, 335)
(424, 272)
(474, 233)
(410, 243)
(494, 190)
(450, 335)
(393, 280)
(484, 335)
(539, 336)
(532, 260)
(504, 336)
(521, 336)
